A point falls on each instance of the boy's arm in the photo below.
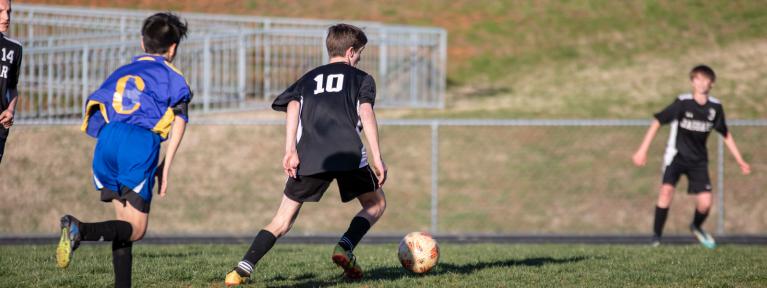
(290, 161)
(6, 117)
(176, 134)
(370, 127)
(730, 142)
(640, 157)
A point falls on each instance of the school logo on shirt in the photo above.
(688, 114)
(711, 114)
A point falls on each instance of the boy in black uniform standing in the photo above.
(327, 110)
(692, 117)
(10, 65)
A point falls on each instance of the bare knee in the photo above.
(139, 230)
(704, 202)
(375, 207)
(665, 196)
(279, 227)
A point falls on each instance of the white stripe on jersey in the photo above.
(671, 146)
(300, 126)
(364, 158)
(138, 188)
(97, 182)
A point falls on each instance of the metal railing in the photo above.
(436, 124)
(556, 145)
(231, 62)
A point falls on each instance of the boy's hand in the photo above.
(381, 171)
(745, 168)
(290, 163)
(640, 158)
(6, 119)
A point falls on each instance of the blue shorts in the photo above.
(124, 164)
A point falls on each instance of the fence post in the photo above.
(30, 27)
(434, 175)
(242, 61)
(85, 90)
(323, 52)
(49, 69)
(123, 33)
(720, 185)
(443, 68)
(267, 59)
(206, 74)
(382, 64)
(413, 69)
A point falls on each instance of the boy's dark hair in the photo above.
(162, 30)
(703, 70)
(342, 36)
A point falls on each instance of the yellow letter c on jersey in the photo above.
(117, 99)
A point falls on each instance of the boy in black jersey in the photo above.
(692, 116)
(10, 67)
(327, 110)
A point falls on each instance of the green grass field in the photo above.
(461, 265)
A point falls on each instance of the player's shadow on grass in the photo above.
(395, 273)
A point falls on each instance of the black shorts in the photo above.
(3, 137)
(697, 175)
(127, 195)
(309, 188)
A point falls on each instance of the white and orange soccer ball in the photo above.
(418, 252)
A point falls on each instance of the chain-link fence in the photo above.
(231, 62)
(449, 176)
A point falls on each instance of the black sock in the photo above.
(114, 230)
(122, 261)
(262, 244)
(354, 234)
(660, 219)
(698, 219)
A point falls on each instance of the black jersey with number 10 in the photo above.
(328, 137)
(10, 65)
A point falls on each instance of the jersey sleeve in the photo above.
(670, 113)
(293, 93)
(368, 90)
(720, 125)
(180, 96)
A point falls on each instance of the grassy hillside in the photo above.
(584, 58)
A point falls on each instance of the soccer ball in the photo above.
(418, 252)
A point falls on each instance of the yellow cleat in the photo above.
(234, 279)
(347, 261)
(68, 242)
(63, 251)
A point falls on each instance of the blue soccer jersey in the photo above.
(130, 115)
(142, 93)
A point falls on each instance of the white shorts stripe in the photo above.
(97, 182)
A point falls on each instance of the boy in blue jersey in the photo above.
(138, 107)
